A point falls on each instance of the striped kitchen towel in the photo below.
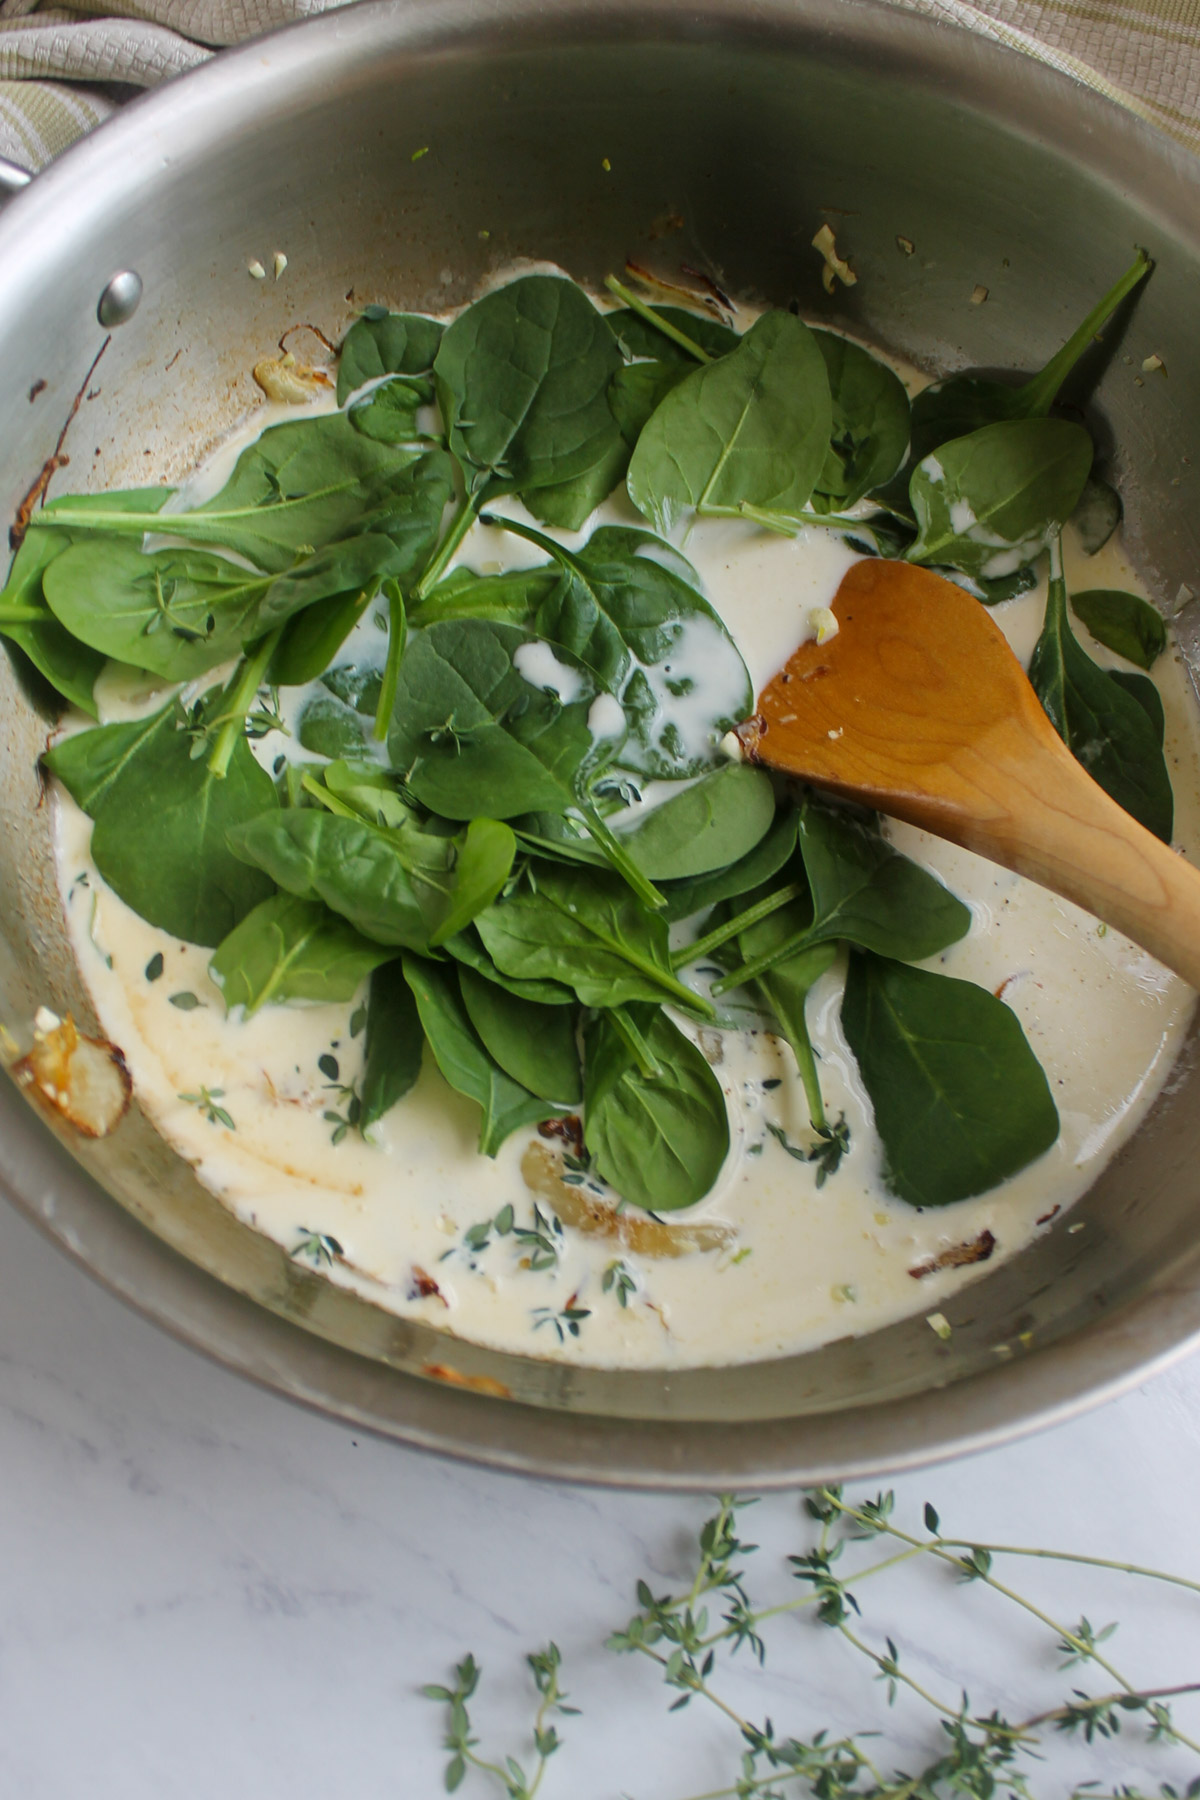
(65, 66)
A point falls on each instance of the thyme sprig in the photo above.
(977, 1754)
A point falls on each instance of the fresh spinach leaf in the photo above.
(522, 377)
(386, 343)
(659, 1140)
(990, 502)
(1147, 697)
(767, 858)
(328, 727)
(623, 609)
(394, 1041)
(865, 891)
(1097, 514)
(26, 621)
(637, 389)
(299, 486)
(161, 819)
(534, 1044)
(512, 598)
(357, 685)
(754, 426)
(462, 1059)
(869, 439)
(179, 613)
(312, 638)
(961, 404)
(467, 947)
(389, 412)
(569, 504)
(1103, 725)
(712, 824)
(406, 887)
(361, 790)
(471, 733)
(586, 929)
(960, 1100)
(70, 667)
(638, 337)
(1123, 622)
(289, 949)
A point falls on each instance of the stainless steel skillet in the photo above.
(719, 135)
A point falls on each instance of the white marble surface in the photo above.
(205, 1591)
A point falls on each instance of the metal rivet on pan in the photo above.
(120, 299)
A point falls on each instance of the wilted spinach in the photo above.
(869, 439)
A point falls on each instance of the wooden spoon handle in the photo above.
(1040, 813)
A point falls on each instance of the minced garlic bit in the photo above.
(283, 378)
(279, 264)
(905, 245)
(939, 1324)
(255, 269)
(836, 267)
(979, 294)
(1153, 364)
(822, 622)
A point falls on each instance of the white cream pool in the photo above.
(794, 1265)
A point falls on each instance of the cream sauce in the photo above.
(789, 1266)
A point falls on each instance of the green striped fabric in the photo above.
(58, 61)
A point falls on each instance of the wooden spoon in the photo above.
(919, 707)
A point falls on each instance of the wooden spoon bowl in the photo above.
(918, 707)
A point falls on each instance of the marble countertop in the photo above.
(208, 1591)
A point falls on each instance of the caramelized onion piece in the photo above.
(957, 1256)
(478, 1384)
(283, 378)
(542, 1170)
(84, 1079)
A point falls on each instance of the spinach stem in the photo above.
(1039, 395)
(721, 934)
(648, 313)
(23, 615)
(620, 858)
(557, 551)
(806, 1062)
(785, 524)
(397, 633)
(758, 965)
(239, 697)
(331, 802)
(643, 1055)
(436, 567)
